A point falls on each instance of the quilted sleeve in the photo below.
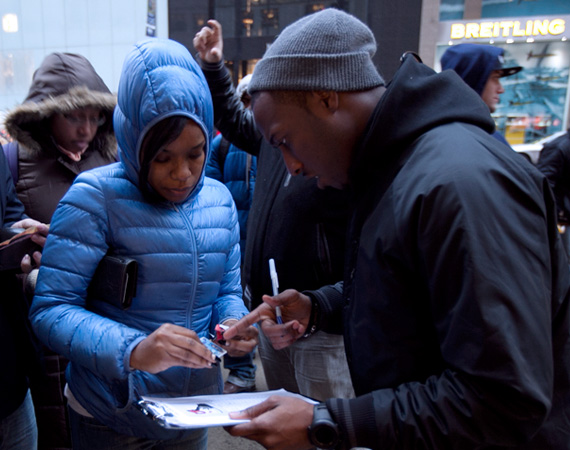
(75, 246)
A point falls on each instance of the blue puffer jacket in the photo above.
(188, 253)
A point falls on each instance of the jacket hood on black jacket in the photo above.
(417, 100)
(64, 82)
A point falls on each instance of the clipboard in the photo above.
(204, 411)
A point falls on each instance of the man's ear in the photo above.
(323, 102)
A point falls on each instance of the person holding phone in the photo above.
(19, 353)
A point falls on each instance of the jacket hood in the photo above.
(423, 99)
(417, 100)
(64, 82)
(159, 79)
(475, 62)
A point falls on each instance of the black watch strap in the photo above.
(312, 325)
(323, 432)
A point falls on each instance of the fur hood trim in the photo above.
(21, 120)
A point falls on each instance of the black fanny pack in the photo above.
(114, 281)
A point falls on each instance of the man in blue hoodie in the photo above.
(481, 67)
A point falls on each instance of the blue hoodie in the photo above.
(475, 62)
(188, 254)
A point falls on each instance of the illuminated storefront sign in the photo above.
(508, 29)
(537, 28)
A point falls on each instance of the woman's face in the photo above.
(75, 130)
(176, 168)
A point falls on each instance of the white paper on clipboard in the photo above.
(205, 410)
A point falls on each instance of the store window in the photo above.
(510, 8)
(451, 9)
(535, 35)
(534, 102)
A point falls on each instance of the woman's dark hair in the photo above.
(158, 137)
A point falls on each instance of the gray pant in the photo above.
(315, 367)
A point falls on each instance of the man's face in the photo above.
(492, 91)
(310, 143)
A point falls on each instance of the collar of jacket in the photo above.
(416, 100)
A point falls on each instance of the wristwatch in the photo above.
(323, 432)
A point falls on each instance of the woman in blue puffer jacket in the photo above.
(157, 207)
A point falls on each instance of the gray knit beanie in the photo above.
(327, 50)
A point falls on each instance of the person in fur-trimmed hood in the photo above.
(63, 127)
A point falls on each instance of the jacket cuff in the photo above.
(129, 350)
(356, 420)
(210, 67)
(330, 305)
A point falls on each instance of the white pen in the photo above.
(275, 285)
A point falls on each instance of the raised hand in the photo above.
(209, 43)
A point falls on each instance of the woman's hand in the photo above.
(39, 238)
(168, 346)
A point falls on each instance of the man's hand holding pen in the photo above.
(295, 309)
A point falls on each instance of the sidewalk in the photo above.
(219, 439)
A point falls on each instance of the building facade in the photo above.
(249, 26)
(101, 30)
(532, 32)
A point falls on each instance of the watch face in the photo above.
(325, 436)
(323, 432)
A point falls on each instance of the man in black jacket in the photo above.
(455, 303)
(292, 221)
(554, 163)
(17, 420)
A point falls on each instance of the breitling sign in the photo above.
(517, 28)
(508, 28)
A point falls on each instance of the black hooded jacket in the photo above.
(554, 163)
(17, 353)
(456, 316)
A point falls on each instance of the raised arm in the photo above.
(234, 121)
